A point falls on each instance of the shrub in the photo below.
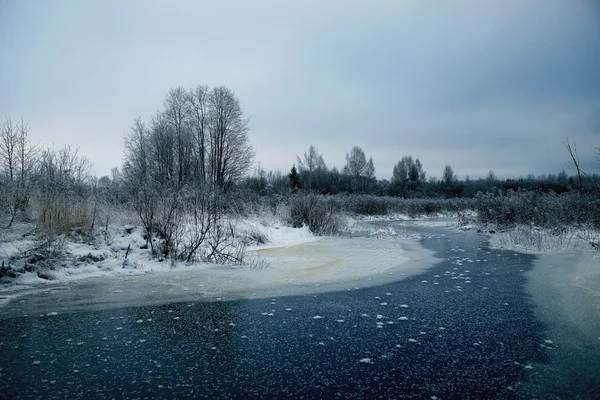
(542, 209)
(316, 212)
(383, 205)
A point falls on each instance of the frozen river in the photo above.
(363, 318)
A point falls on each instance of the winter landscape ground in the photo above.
(380, 275)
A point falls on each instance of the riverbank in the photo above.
(317, 266)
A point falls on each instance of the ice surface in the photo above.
(299, 263)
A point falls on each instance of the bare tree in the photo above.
(18, 158)
(135, 166)
(162, 151)
(448, 176)
(356, 163)
(312, 167)
(178, 166)
(200, 136)
(198, 99)
(8, 148)
(230, 151)
(168, 223)
(360, 171)
(370, 169)
(145, 204)
(177, 110)
(201, 215)
(63, 201)
(574, 163)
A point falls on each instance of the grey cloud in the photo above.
(478, 85)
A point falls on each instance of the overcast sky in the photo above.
(475, 84)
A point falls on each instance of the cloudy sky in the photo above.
(475, 84)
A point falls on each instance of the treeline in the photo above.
(199, 137)
(408, 180)
(41, 183)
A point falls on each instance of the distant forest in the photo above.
(408, 180)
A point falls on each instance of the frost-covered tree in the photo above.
(356, 163)
(408, 170)
(277, 183)
(199, 137)
(176, 116)
(407, 175)
(230, 151)
(191, 151)
(199, 120)
(574, 163)
(18, 161)
(360, 171)
(370, 170)
(448, 177)
(312, 168)
(136, 154)
(162, 154)
(63, 192)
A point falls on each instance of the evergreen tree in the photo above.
(294, 181)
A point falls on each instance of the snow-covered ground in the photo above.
(297, 262)
(538, 240)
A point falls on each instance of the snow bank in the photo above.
(276, 234)
(299, 264)
(125, 253)
(368, 225)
